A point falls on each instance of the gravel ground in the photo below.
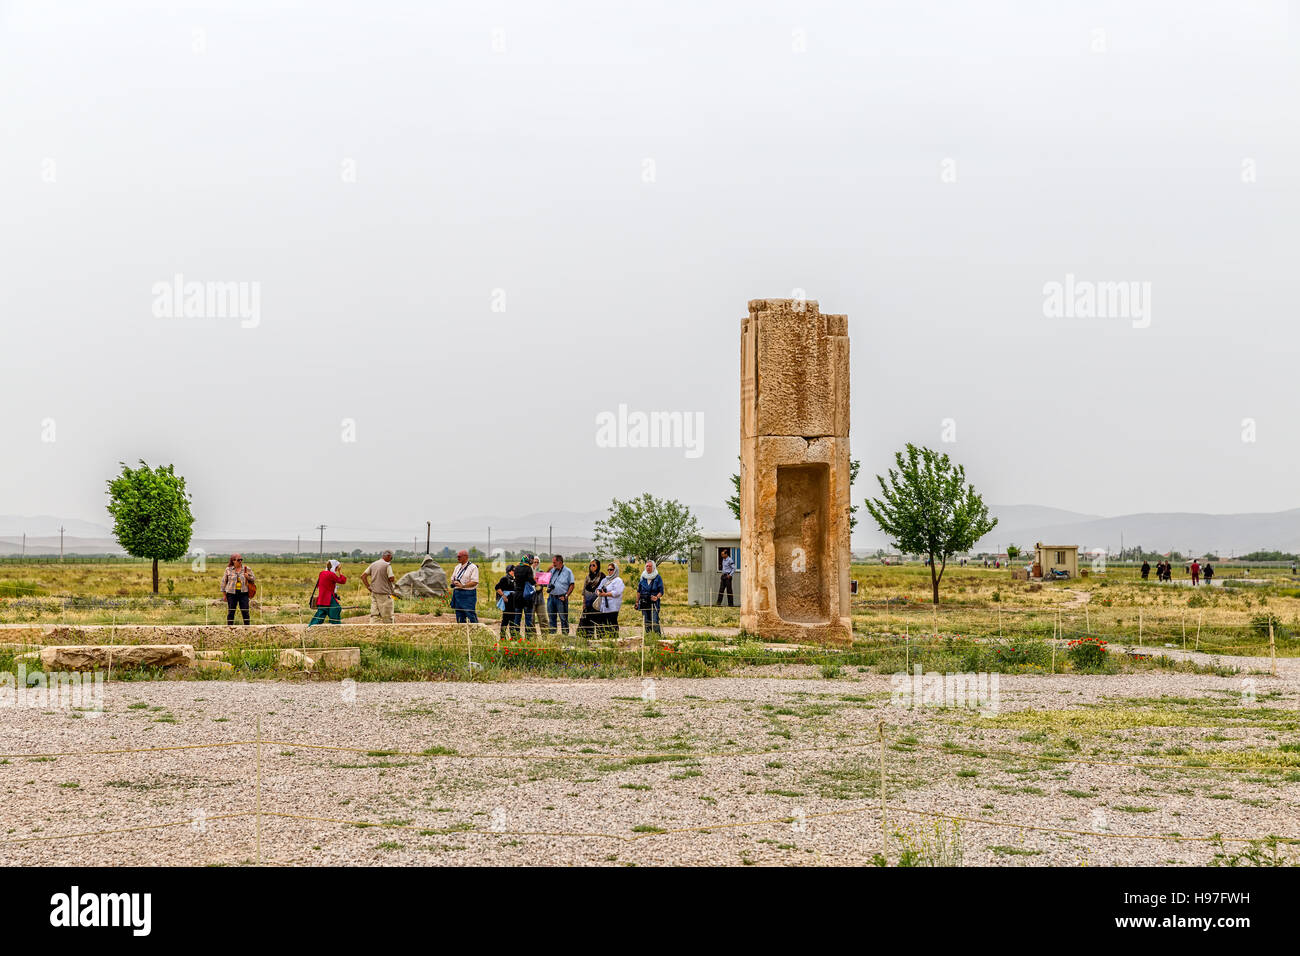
(538, 761)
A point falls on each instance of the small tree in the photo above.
(647, 528)
(927, 508)
(1013, 552)
(151, 513)
(733, 503)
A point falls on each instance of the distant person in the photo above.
(724, 583)
(560, 587)
(1209, 573)
(1146, 569)
(506, 602)
(610, 601)
(649, 590)
(238, 585)
(327, 598)
(379, 580)
(1196, 572)
(464, 589)
(587, 622)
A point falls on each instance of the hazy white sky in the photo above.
(628, 176)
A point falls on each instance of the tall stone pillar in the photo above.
(794, 472)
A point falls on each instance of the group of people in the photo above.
(528, 597)
(1165, 572)
(520, 598)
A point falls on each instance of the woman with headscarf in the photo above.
(326, 597)
(649, 589)
(237, 586)
(609, 600)
(587, 623)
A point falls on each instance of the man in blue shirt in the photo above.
(557, 604)
(728, 569)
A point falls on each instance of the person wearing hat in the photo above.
(237, 586)
(327, 598)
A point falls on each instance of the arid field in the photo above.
(774, 770)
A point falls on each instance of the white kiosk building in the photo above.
(705, 571)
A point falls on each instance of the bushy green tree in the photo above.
(151, 513)
(648, 528)
(926, 507)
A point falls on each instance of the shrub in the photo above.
(1087, 653)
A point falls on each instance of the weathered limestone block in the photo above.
(794, 472)
(293, 658)
(90, 657)
(334, 658)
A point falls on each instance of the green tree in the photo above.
(151, 513)
(733, 503)
(1013, 552)
(648, 528)
(926, 507)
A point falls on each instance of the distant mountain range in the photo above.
(1023, 525)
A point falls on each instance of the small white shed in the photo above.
(705, 571)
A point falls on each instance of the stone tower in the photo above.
(794, 472)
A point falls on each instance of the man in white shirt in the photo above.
(464, 589)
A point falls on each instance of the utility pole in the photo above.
(321, 529)
(24, 544)
(550, 540)
(428, 536)
(60, 542)
(298, 550)
(489, 553)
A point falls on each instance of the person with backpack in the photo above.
(506, 602)
(325, 598)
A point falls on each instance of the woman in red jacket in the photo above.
(327, 599)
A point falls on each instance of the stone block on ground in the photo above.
(295, 659)
(100, 656)
(334, 658)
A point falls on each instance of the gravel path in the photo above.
(535, 761)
